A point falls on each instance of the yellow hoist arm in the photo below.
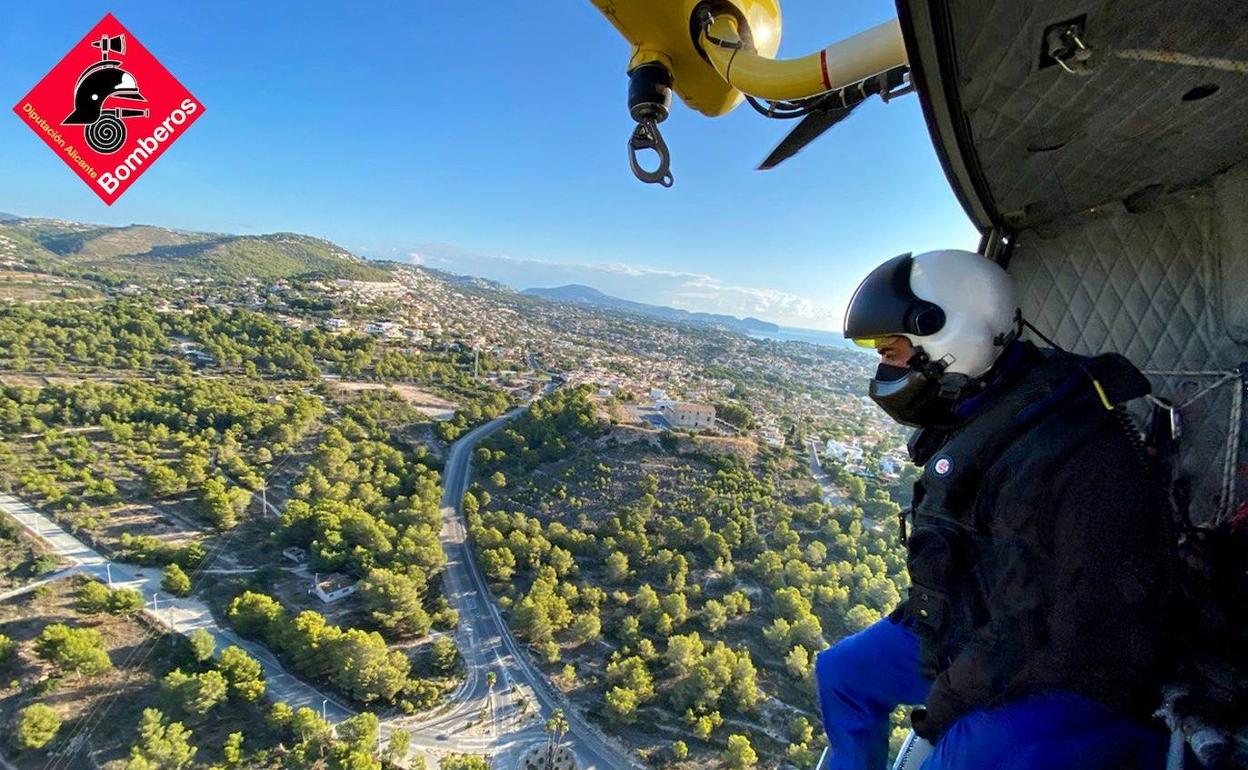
(664, 32)
(848, 61)
(712, 53)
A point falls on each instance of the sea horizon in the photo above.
(796, 334)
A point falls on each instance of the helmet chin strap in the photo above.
(922, 363)
(951, 386)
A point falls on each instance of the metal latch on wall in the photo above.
(1062, 44)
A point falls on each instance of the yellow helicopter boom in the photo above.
(848, 61)
(712, 53)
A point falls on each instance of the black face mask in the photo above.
(913, 396)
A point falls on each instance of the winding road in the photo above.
(521, 700)
(500, 720)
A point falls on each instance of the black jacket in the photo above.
(1040, 555)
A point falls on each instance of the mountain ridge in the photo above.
(580, 294)
(139, 252)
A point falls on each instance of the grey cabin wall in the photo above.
(1165, 284)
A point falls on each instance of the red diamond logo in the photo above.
(109, 109)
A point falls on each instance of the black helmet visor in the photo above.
(884, 306)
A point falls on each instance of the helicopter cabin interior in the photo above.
(1101, 146)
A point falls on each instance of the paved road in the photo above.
(830, 493)
(181, 615)
(522, 699)
(812, 451)
(515, 708)
(50, 578)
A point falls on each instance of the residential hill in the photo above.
(470, 281)
(587, 295)
(145, 253)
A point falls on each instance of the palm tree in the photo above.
(556, 727)
(490, 679)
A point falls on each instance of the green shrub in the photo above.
(37, 725)
(125, 601)
(93, 596)
(175, 581)
(44, 563)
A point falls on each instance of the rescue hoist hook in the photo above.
(647, 137)
(649, 100)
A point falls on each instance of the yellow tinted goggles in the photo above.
(870, 343)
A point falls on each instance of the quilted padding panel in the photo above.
(1139, 284)
(1232, 214)
(1149, 285)
(1051, 143)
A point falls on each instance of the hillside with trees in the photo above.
(162, 460)
(255, 417)
(676, 596)
(144, 253)
(69, 649)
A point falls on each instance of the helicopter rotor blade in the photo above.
(808, 130)
(835, 107)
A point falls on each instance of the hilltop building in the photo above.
(688, 415)
(386, 329)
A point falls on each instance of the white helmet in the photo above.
(956, 307)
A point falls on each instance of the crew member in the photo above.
(1037, 547)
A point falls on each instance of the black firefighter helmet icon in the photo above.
(98, 83)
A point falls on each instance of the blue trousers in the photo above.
(864, 677)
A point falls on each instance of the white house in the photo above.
(771, 435)
(843, 452)
(332, 587)
(387, 329)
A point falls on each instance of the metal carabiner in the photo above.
(647, 137)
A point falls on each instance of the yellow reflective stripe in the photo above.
(1101, 392)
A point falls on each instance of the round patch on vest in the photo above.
(942, 466)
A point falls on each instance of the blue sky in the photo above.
(488, 138)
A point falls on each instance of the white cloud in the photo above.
(685, 290)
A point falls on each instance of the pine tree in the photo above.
(37, 725)
(175, 581)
